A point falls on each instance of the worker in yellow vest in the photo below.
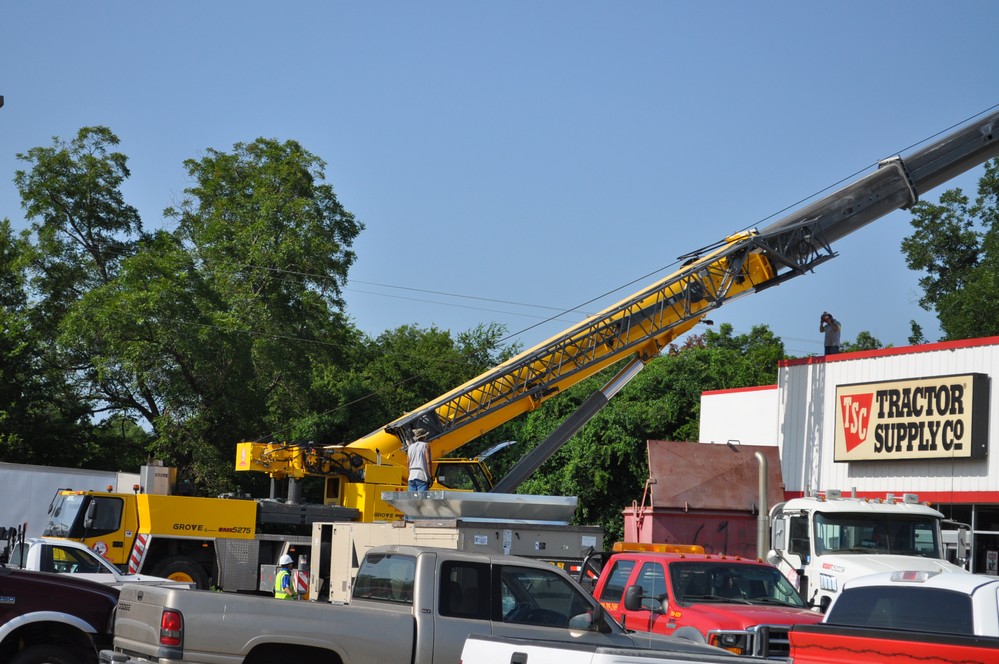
(284, 588)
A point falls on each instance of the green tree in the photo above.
(42, 419)
(955, 243)
(397, 372)
(864, 341)
(209, 334)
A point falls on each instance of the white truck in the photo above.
(821, 542)
(906, 617)
(44, 554)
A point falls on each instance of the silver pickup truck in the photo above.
(408, 604)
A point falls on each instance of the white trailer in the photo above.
(27, 490)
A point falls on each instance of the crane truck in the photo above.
(636, 328)
(361, 476)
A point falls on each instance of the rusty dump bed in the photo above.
(507, 507)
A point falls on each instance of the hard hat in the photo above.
(285, 560)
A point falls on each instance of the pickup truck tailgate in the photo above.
(137, 619)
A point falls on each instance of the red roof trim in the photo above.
(888, 352)
(932, 497)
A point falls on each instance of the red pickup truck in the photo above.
(744, 606)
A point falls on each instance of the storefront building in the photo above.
(915, 419)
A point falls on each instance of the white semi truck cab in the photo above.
(822, 541)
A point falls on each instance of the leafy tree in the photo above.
(956, 244)
(42, 419)
(864, 341)
(397, 372)
(209, 334)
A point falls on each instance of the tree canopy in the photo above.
(955, 244)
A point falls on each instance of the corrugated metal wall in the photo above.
(806, 419)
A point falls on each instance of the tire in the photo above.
(182, 568)
(45, 653)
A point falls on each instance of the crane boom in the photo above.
(641, 325)
(646, 322)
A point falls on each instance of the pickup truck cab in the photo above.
(51, 618)
(409, 604)
(49, 554)
(744, 606)
(908, 617)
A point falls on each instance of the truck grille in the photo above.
(772, 641)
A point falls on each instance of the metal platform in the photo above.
(469, 506)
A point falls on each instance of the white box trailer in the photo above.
(27, 490)
(452, 520)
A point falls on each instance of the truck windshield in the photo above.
(875, 533)
(81, 515)
(723, 582)
(65, 510)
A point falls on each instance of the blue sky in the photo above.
(512, 160)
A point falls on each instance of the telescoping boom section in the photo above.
(638, 327)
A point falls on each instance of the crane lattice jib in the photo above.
(641, 325)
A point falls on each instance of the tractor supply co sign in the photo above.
(925, 418)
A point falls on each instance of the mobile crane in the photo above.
(637, 328)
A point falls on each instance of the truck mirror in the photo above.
(590, 621)
(962, 545)
(88, 518)
(633, 596)
(778, 534)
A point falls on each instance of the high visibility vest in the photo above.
(282, 578)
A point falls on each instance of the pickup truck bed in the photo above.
(833, 644)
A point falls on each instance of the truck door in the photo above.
(541, 604)
(108, 526)
(650, 576)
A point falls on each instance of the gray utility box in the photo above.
(338, 547)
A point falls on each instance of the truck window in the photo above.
(797, 533)
(464, 590)
(462, 475)
(538, 597)
(861, 533)
(652, 579)
(70, 561)
(386, 577)
(918, 609)
(617, 579)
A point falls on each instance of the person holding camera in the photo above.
(831, 327)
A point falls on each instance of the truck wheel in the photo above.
(182, 568)
(45, 653)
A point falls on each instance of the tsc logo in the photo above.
(856, 411)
